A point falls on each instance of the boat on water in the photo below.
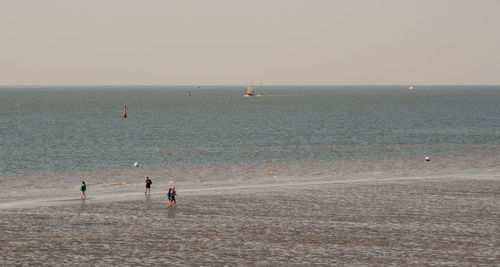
(411, 87)
(249, 91)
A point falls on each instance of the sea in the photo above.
(54, 137)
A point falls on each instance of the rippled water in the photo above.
(295, 176)
(52, 137)
(418, 221)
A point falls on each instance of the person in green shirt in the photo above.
(83, 188)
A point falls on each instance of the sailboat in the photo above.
(249, 91)
(411, 87)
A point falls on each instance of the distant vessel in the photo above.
(124, 111)
(411, 87)
(188, 93)
(249, 91)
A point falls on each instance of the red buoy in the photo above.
(124, 111)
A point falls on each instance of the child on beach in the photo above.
(83, 188)
(148, 185)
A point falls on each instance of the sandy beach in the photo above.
(450, 220)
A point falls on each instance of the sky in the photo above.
(230, 42)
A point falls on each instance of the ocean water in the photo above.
(295, 176)
(53, 137)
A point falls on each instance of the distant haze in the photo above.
(154, 42)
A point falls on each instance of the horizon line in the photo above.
(200, 85)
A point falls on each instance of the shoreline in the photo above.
(63, 185)
(402, 221)
(134, 191)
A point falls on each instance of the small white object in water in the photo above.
(427, 159)
(136, 164)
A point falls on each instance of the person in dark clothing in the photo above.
(169, 196)
(148, 185)
(173, 195)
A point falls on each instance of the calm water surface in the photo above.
(65, 131)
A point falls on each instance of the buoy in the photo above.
(427, 159)
(124, 111)
(136, 164)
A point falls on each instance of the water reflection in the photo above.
(82, 207)
(148, 201)
(171, 212)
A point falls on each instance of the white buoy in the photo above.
(427, 159)
(136, 164)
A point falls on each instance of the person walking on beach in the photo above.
(83, 188)
(171, 196)
(174, 194)
(148, 185)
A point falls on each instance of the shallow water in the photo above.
(297, 176)
(52, 138)
(427, 221)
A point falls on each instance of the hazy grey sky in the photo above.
(98, 42)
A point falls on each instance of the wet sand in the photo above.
(432, 221)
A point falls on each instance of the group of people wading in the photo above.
(170, 195)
